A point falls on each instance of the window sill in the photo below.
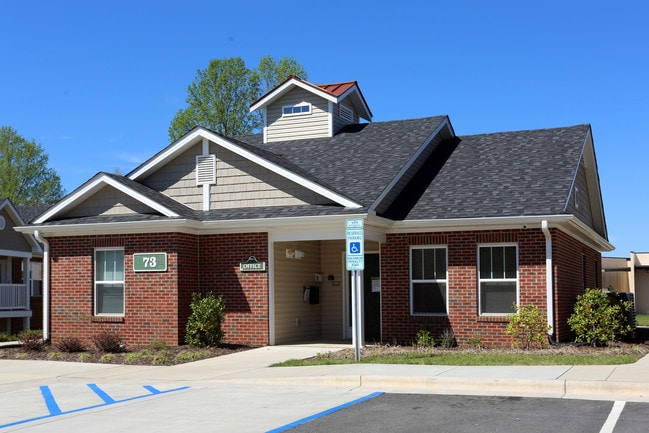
(494, 319)
(107, 319)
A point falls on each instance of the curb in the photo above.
(574, 389)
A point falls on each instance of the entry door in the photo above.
(371, 282)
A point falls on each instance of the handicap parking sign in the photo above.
(354, 248)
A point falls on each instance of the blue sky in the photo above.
(97, 83)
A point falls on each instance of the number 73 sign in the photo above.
(150, 262)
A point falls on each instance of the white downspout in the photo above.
(46, 284)
(548, 276)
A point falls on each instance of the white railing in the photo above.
(14, 297)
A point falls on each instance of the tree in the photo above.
(25, 178)
(220, 96)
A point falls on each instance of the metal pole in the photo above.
(357, 334)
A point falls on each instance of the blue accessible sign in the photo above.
(355, 238)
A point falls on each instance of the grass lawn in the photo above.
(642, 319)
(573, 356)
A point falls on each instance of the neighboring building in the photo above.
(20, 273)
(629, 275)
(457, 228)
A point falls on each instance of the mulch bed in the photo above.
(167, 355)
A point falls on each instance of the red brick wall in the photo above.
(245, 294)
(576, 267)
(158, 303)
(463, 319)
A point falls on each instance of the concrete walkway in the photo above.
(610, 382)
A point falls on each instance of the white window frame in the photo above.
(97, 282)
(516, 280)
(414, 281)
(300, 105)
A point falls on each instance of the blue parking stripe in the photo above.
(101, 393)
(50, 402)
(324, 413)
(55, 410)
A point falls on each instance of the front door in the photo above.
(371, 281)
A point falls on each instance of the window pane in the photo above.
(497, 297)
(417, 264)
(110, 265)
(510, 262)
(485, 262)
(110, 299)
(440, 263)
(288, 110)
(429, 264)
(497, 262)
(428, 298)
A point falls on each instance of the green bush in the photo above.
(599, 318)
(424, 338)
(204, 324)
(528, 327)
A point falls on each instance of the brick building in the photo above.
(457, 229)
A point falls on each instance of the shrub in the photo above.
(204, 324)
(109, 342)
(70, 345)
(424, 338)
(528, 327)
(32, 340)
(599, 318)
(447, 339)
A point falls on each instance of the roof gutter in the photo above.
(46, 284)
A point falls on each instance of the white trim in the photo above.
(434, 280)
(271, 292)
(299, 113)
(189, 140)
(92, 187)
(330, 118)
(505, 279)
(14, 253)
(122, 282)
(284, 88)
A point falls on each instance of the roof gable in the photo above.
(335, 93)
(11, 241)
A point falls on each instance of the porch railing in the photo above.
(14, 297)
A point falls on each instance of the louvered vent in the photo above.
(346, 113)
(205, 169)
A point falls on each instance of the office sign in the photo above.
(252, 265)
(150, 262)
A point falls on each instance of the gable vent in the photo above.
(205, 169)
(346, 113)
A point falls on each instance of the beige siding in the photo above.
(11, 239)
(109, 201)
(241, 183)
(579, 203)
(178, 179)
(332, 291)
(296, 320)
(303, 126)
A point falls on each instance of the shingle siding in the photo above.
(303, 126)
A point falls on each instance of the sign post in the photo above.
(355, 260)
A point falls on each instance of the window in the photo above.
(428, 280)
(37, 278)
(498, 279)
(109, 282)
(292, 110)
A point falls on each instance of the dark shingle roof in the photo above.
(501, 174)
(359, 161)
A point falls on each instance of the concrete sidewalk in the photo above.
(610, 382)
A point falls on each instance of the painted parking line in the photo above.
(324, 413)
(55, 410)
